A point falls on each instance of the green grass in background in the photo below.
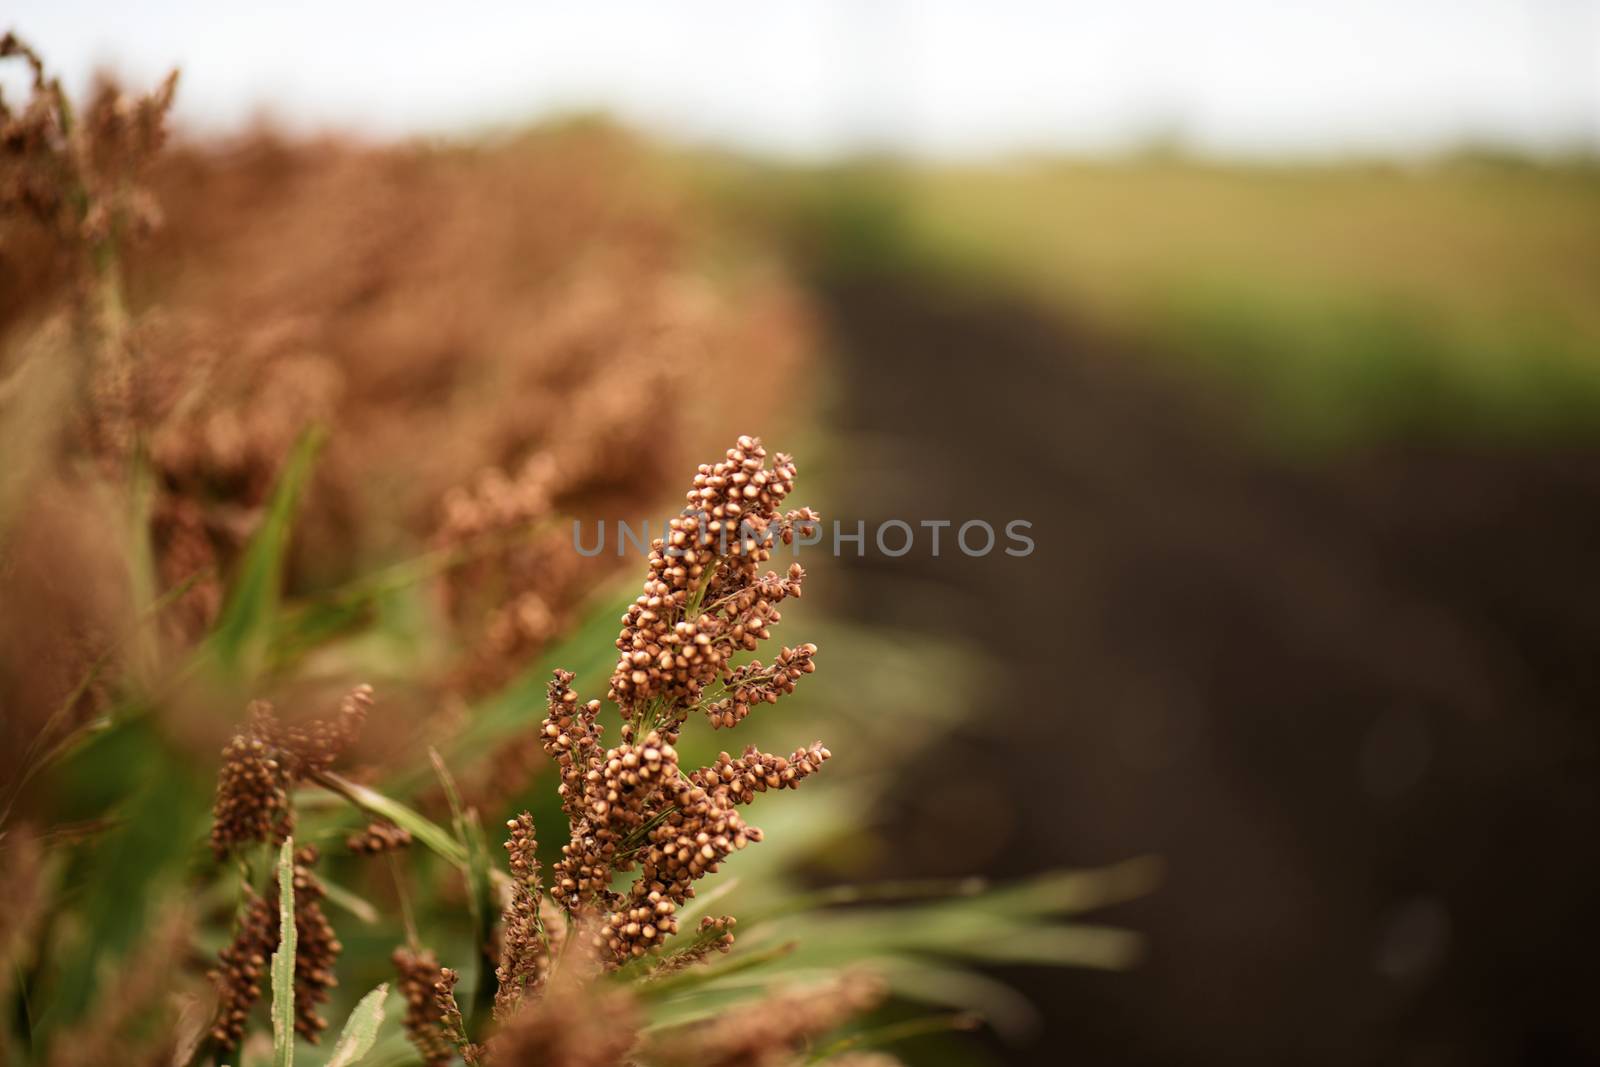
(1461, 294)
(1352, 302)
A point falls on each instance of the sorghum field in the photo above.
(322, 740)
(325, 738)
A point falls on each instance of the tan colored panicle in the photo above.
(695, 834)
(378, 837)
(264, 761)
(450, 1019)
(756, 772)
(753, 684)
(572, 739)
(706, 599)
(524, 951)
(243, 961)
(576, 1023)
(317, 745)
(715, 935)
(242, 967)
(317, 948)
(419, 973)
(253, 783)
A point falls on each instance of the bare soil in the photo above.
(1351, 702)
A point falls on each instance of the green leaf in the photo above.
(283, 963)
(901, 1030)
(712, 972)
(360, 1031)
(422, 828)
(142, 570)
(480, 889)
(47, 747)
(1073, 891)
(928, 980)
(244, 630)
(355, 904)
(142, 809)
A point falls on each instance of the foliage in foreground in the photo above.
(339, 863)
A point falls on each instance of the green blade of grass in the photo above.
(360, 1031)
(666, 988)
(902, 1030)
(480, 890)
(1073, 891)
(135, 813)
(240, 639)
(422, 828)
(342, 609)
(484, 913)
(902, 890)
(283, 963)
(46, 747)
(931, 981)
(351, 902)
(142, 574)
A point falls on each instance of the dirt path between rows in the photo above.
(1352, 704)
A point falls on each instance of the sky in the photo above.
(820, 78)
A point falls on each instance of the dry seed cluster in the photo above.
(419, 973)
(573, 1025)
(631, 806)
(242, 963)
(699, 829)
(514, 555)
(756, 771)
(316, 949)
(241, 967)
(715, 935)
(755, 684)
(524, 955)
(252, 802)
(704, 599)
(379, 837)
(79, 177)
(262, 763)
(450, 1020)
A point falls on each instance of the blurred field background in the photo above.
(1310, 449)
(1349, 301)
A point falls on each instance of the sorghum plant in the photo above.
(569, 957)
(260, 768)
(633, 809)
(199, 427)
(704, 601)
